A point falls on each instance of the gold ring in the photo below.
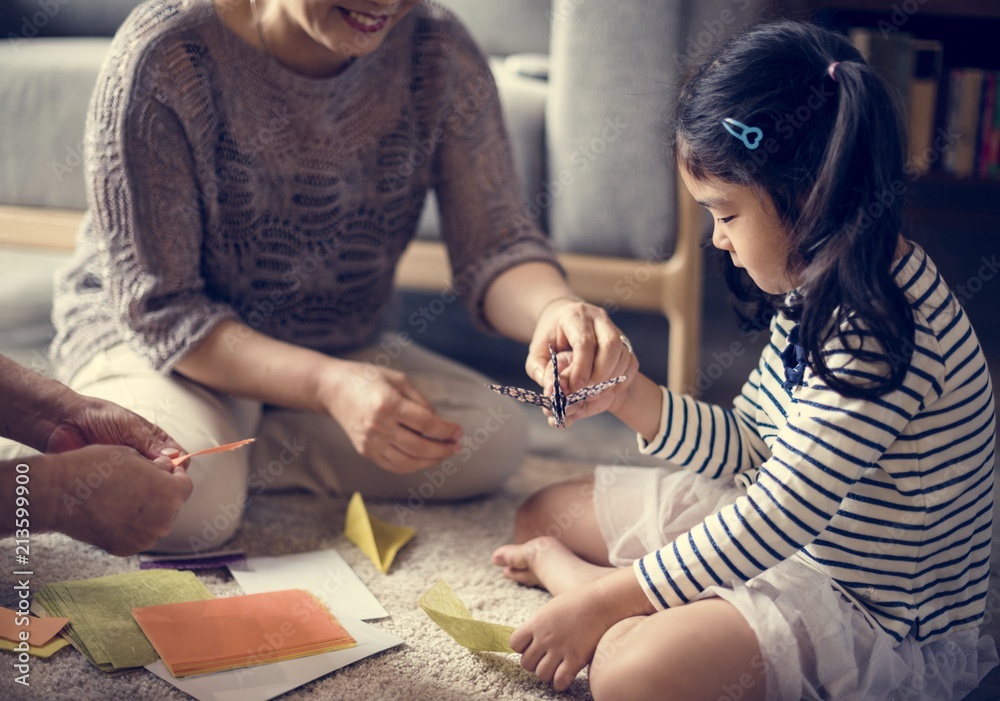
(626, 343)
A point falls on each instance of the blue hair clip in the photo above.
(745, 133)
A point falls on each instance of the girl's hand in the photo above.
(599, 352)
(387, 419)
(560, 638)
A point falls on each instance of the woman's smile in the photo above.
(364, 22)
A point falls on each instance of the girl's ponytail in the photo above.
(848, 234)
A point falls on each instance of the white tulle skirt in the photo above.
(816, 644)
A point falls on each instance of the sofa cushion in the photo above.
(26, 299)
(503, 27)
(50, 18)
(607, 116)
(45, 87)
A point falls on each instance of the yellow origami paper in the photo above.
(46, 650)
(377, 539)
(447, 610)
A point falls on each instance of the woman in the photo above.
(255, 171)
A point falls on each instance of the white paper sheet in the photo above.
(267, 681)
(323, 572)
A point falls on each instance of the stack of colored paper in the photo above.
(199, 637)
(100, 612)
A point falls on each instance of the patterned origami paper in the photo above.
(377, 539)
(558, 402)
(447, 610)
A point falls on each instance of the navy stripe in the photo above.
(685, 569)
(670, 421)
(842, 454)
(704, 563)
(711, 444)
(684, 426)
(770, 524)
(649, 583)
(725, 447)
(960, 576)
(927, 635)
(696, 443)
(825, 515)
(670, 580)
(790, 516)
(852, 414)
(915, 559)
(759, 566)
(722, 555)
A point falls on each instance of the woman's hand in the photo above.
(387, 419)
(599, 352)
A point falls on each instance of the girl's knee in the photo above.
(553, 510)
(617, 670)
(704, 650)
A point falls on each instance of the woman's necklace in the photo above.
(260, 32)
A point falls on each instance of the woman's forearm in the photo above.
(32, 404)
(235, 359)
(517, 296)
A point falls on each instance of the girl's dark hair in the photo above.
(831, 160)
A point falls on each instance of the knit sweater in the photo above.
(222, 185)
(892, 497)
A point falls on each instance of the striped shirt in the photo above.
(891, 497)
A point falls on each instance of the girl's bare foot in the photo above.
(546, 562)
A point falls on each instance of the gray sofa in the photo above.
(585, 87)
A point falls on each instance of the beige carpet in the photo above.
(453, 541)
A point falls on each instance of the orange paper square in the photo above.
(198, 637)
(40, 630)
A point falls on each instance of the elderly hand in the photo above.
(599, 351)
(108, 496)
(88, 421)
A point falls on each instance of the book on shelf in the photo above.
(988, 146)
(891, 55)
(963, 113)
(921, 114)
(952, 114)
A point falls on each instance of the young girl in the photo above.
(830, 538)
